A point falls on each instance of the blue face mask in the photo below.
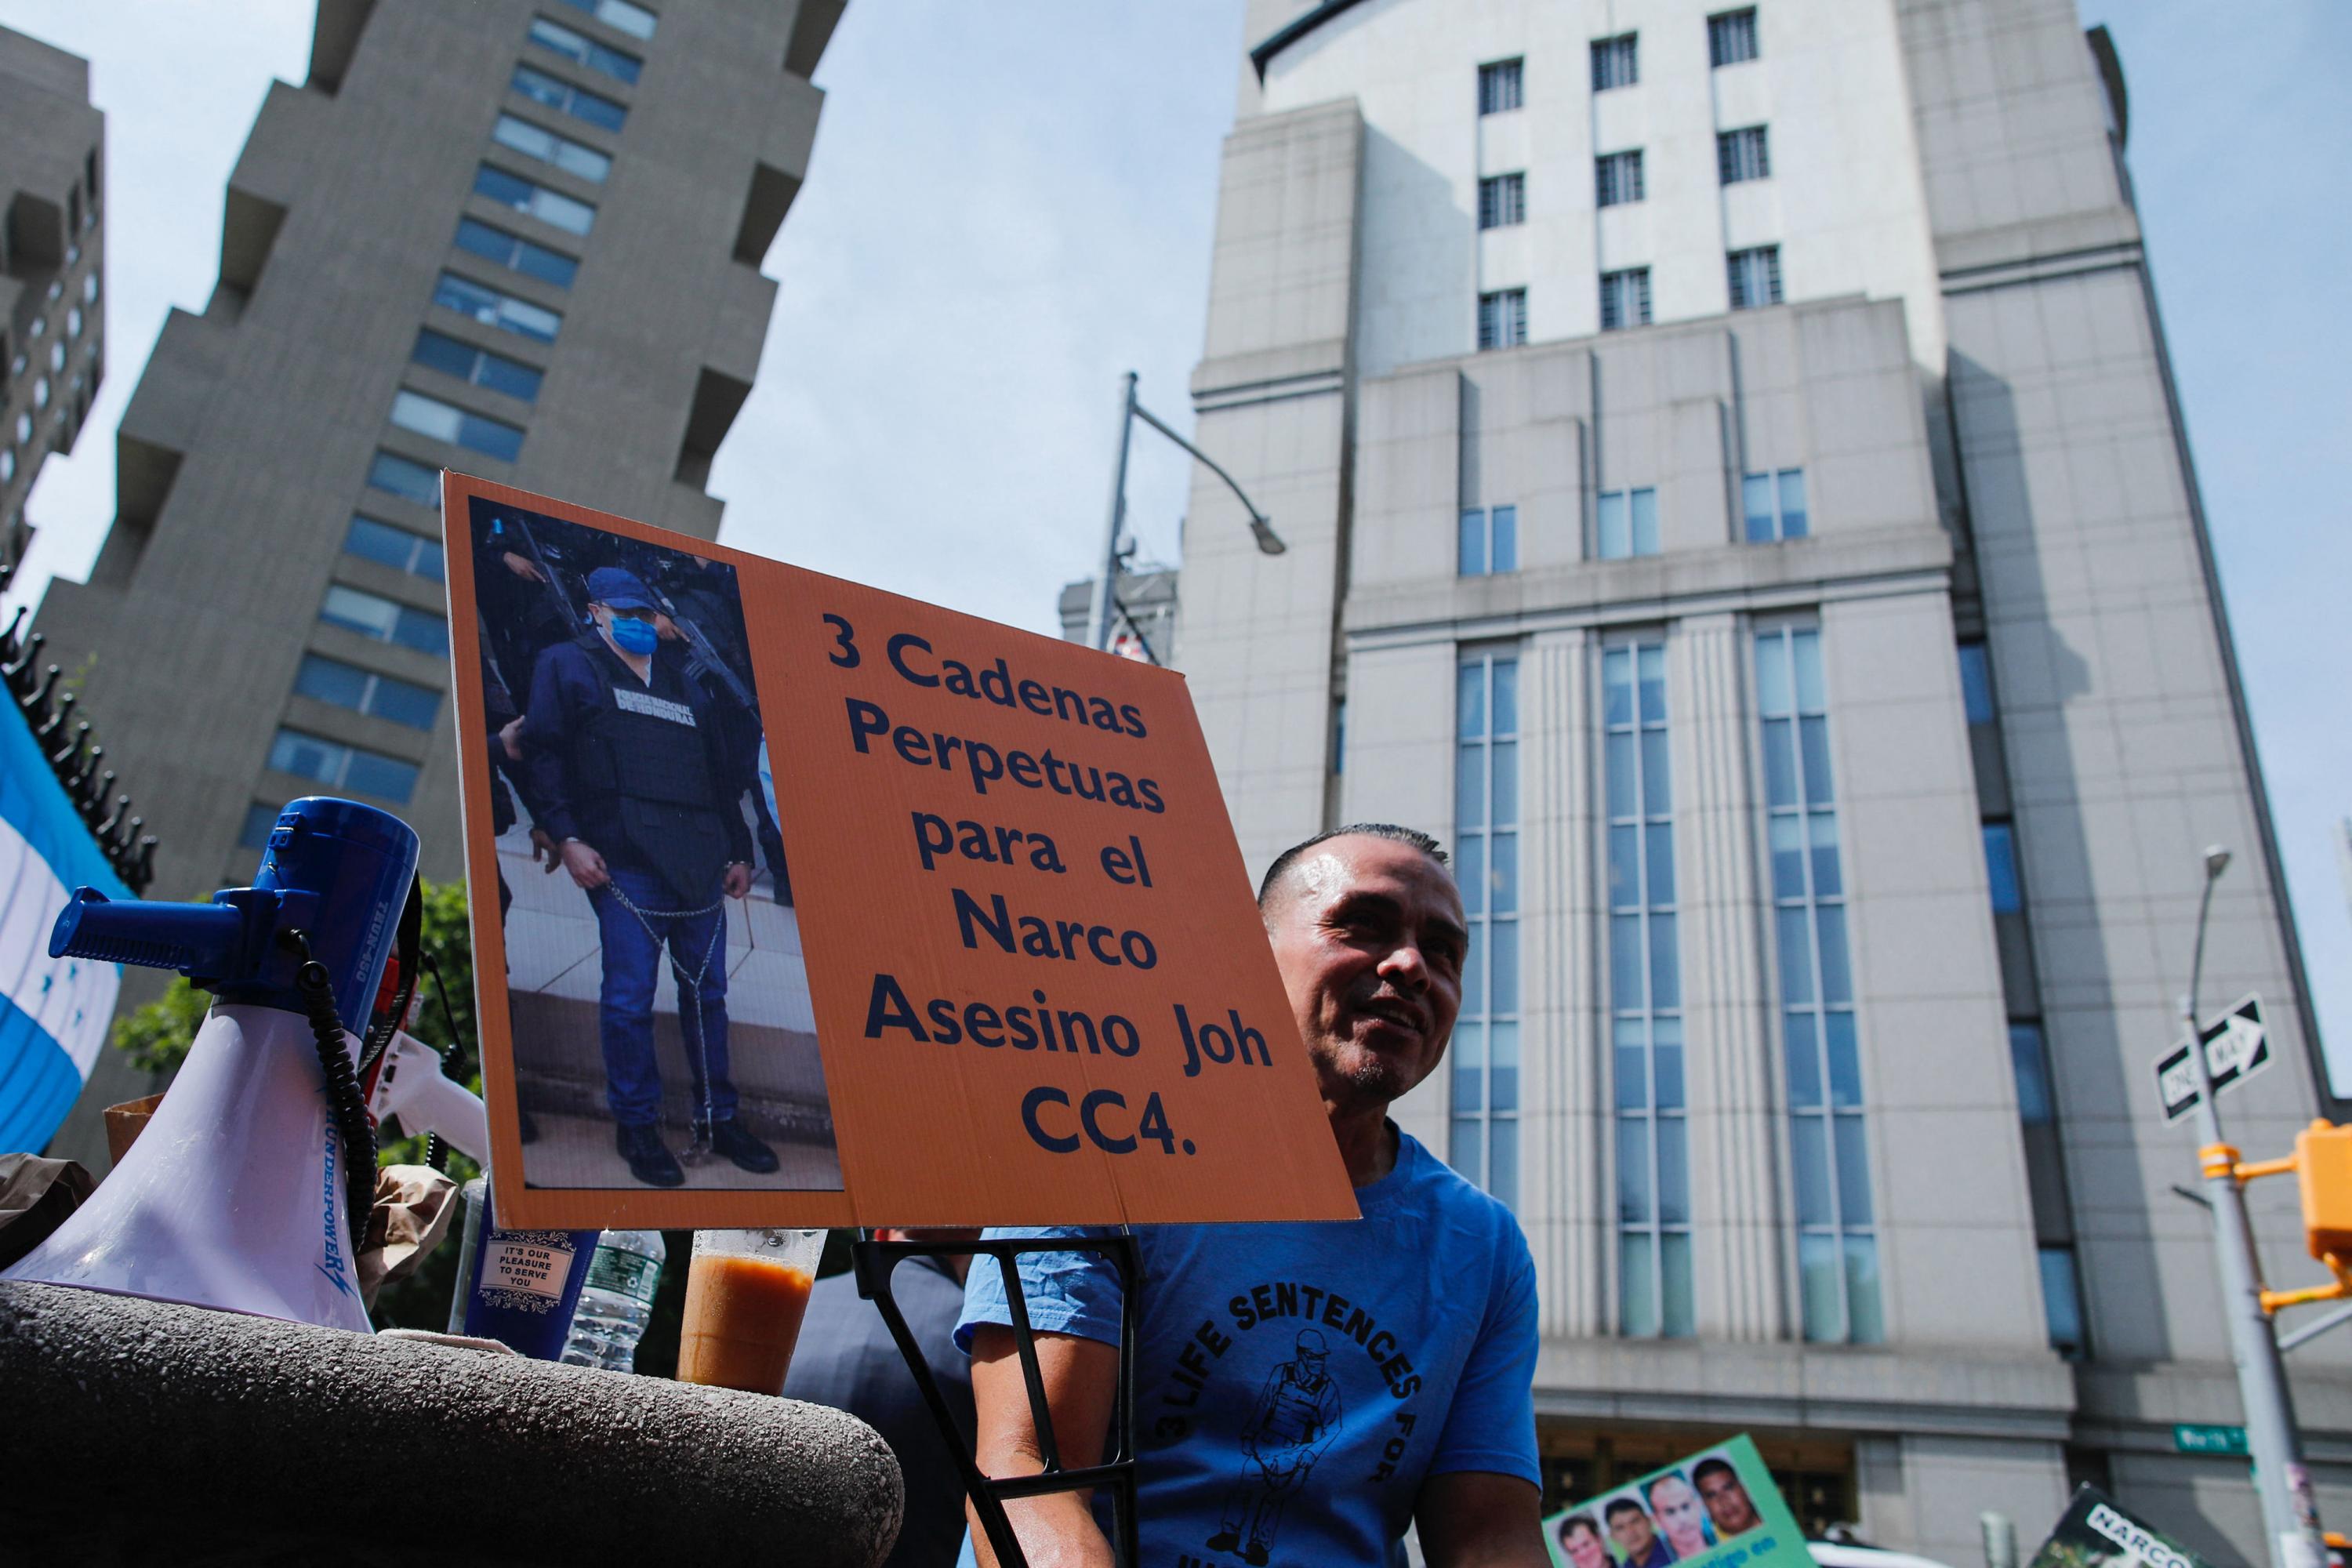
(631, 635)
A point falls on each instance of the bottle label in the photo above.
(630, 1274)
(532, 1264)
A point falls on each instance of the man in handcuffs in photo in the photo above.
(640, 786)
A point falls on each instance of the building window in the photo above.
(1627, 523)
(24, 428)
(1616, 62)
(364, 691)
(493, 309)
(1654, 1244)
(73, 322)
(1485, 1142)
(1755, 277)
(576, 102)
(8, 466)
(2061, 1300)
(1625, 299)
(536, 142)
(2000, 868)
(482, 368)
(516, 253)
(578, 47)
(2029, 1057)
(1617, 178)
(35, 327)
(534, 201)
(1502, 201)
(1731, 37)
(461, 427)
(411, 481)
(1500, 87)
(1742, 154)
(380, 619)
(1503, 319)
(1489, 541)
(618, 14)
(1837, 1248)
(260, 822)
(89, 289)
(1976, 683)
(1775, 505)
(338, 766)
(393, 547)
(41, 393)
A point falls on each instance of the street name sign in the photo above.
(2236, 1047)
(2207, 1439)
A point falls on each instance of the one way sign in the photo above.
(2235, 1047)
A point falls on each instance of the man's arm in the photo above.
(1476, 1518)
(1081, 1378)
(546, 721)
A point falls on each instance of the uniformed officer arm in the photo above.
(1478, 1519)
(550, 715)
(1081, 1378)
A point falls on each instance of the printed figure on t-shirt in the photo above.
(1297, 1415)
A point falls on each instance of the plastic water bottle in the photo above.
(617, 1301)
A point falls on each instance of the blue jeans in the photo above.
(625, 1006)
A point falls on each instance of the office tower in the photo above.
(1143, 619)
(516, 238)
(1736, 497)
(52, 265)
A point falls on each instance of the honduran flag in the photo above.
(54, 1012)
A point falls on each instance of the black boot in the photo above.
(649, 1161)
(729, 1139)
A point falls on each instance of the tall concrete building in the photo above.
(517, 238)
(52, 254)
(1737, 497)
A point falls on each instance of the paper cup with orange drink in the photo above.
(745, 1292)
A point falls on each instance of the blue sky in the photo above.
(1013, 203)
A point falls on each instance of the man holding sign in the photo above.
(1305, 1391)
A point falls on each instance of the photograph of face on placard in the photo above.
(1719, 1509)
(659, 1009)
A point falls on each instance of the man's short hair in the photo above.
(1624, 1505)
(1713, 1467)
(1275, 873)
(1650, 1491)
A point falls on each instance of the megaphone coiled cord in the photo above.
(317, 989)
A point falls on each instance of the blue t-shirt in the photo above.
(1295, 1384)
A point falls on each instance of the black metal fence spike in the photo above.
(109, 829)
(8, 646)
(144, 872)
(19, 669)
(74, 741)
(57, 717)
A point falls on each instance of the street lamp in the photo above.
(1268, 541)
(2290, 1519)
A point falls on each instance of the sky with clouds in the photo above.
(1011, 204)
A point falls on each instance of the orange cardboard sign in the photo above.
(796, 903)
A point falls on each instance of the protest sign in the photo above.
(2095, 1533)
(1715, 1509)
(925, 920)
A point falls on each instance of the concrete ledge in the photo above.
(142, 1432)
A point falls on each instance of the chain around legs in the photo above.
(690, 995)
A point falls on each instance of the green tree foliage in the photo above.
(156, 1035)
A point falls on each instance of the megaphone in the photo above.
(237, 1194)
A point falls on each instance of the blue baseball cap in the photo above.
(620, 589)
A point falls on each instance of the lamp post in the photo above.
(1129, 412)
(2289, 1518)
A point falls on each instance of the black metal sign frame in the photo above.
(875, 1262)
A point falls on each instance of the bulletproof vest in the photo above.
(642, 756)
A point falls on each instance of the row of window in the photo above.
(1731, 39)
(1618, 179)
(1836, 1239)
(1752, 277)
(1626, 523)
(372, 615)
(2029, 1050)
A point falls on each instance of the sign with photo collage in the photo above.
(1714, 1509)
